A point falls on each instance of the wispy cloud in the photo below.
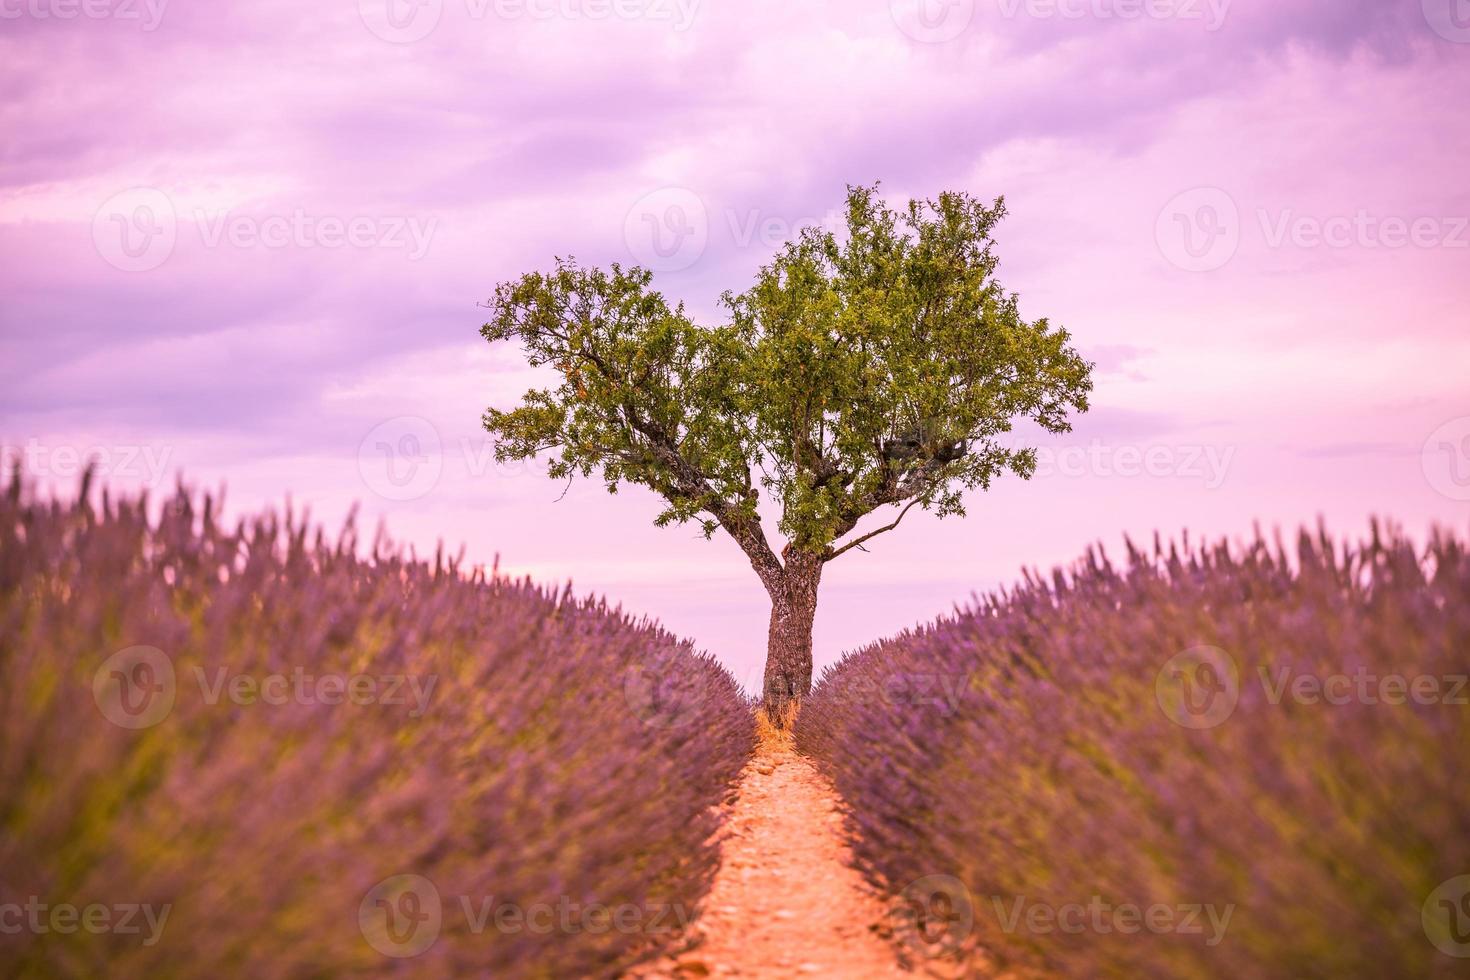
(258, 234)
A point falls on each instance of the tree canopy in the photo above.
(875, 366)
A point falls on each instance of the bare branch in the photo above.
(830, 554)
(746, 531)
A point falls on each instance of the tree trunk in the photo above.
(789, 642)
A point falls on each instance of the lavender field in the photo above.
(638, 419)
(258, 750)
(1206, 762)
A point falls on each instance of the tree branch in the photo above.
(689, 479)
(830, 554)
(746, 531)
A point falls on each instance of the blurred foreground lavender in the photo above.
(309, 762)
(1270, 750)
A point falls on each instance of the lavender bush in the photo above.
(255, 751)
(1216, 763)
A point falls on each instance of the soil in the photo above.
(786, 901)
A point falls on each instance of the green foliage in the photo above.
(877, 367)
(646, 396)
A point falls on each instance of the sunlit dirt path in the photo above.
(785, 902)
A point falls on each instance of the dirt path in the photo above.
(785, 902)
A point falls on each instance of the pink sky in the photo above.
(247, 242)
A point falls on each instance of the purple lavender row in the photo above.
(259, 750)
(1223, 762)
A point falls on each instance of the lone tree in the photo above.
(871, 369)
